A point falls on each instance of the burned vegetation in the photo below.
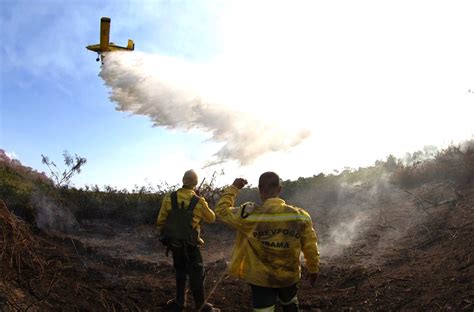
(393, 236)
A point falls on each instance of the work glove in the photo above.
(239, 183)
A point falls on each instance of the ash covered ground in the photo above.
(383, 247)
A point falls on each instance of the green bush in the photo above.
(120, 206)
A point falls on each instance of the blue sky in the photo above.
(52, 98)
(369, 79)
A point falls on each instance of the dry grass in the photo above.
(451, 165)
(25, 276)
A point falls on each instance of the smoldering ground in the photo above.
(178, 95)
(52, 215)
(340, 210)
(350, 215)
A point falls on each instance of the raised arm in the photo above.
(225, 209)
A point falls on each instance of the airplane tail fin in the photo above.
(130, 45)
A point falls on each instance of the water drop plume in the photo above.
(179, 95)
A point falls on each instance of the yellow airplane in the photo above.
(105, 45)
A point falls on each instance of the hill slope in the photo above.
(387, 243)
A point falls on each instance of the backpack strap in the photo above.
(178, 227)
(174, 200)
(193, 203)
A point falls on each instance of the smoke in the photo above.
(51, 215)
(342, 235)
(346, 210)
(183, 96)
(467, 146)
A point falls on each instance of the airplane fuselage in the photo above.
(106, 46)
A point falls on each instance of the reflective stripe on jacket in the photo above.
(202, 212)
(269, 241)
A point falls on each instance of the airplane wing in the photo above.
(105, 46)
(104, 33)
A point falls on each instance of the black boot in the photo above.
(199, 298)
(292, 307)
(201, 304)
(181, 291)
(178, 303)
(207, 307)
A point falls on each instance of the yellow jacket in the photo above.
(202, 212)
(269, 241)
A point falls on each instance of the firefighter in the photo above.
(269, 241)
(178, 225)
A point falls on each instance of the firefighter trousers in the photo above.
(264, 299)
(187, 260)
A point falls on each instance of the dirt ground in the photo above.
(415, 255)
